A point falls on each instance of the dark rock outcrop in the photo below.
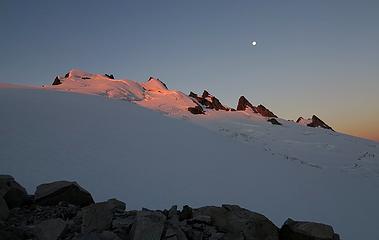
(314, 122)
(50, 229)
(294, 230)
(239, 223)
(55, 192)
(196, 110)
(57, 81)
(4, 210)
(209, 101)
(274, 121)
(317, 122)
(244, 104)
(148, 225)
(193, 95)
(98, 216)
(265, 112)
(110, 76)
(157, 79)
(299, 119)
(186, 213)
(12, 192)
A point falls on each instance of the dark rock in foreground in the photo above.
(239, 223)
(55, 192)
(294, 230)
(12, 192)
(67, 218)
(4, 210)
(50, 229)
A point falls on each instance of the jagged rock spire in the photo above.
(243, 104)
(57, 81)
(209, 101)
(317, 122)
(313, 122)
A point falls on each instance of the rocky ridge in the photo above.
(313, 122)
(155, 94)
(68, 212)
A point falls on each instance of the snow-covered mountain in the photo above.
(219, 155)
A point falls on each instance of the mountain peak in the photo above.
(243, 104)
(317, 122)
(154, 84)
(205, 94)
(57, 81)
(265, 112)
(209, 101)
(313, 122)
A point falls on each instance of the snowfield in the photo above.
(115, 147)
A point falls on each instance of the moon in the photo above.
(253, 43)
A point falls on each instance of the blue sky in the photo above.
(312, 57)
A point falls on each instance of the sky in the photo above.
(311, 57)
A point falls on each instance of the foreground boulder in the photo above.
(55, 192)
(61, 217)
(295, 230)
(50, 229)
(239, 223)
(12, 192)
(98, 217)
(4, 211)
(149, 225)
(106, 235)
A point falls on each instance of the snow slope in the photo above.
(151, 94)
(296, 142)
(118, 149)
